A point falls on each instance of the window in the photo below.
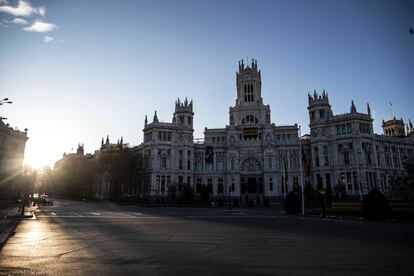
(210, 185)
(248, 92)
(270, 184)
(346, 158)
(163, 162)
(180, 161)
(338, 130)
(321, 113)
(355, 176)
(157, 183)
(270, 162)
(232, 164)
(343, 129)
(349, 181)
(328, 180)
(368, 156)
(220, 186)
(316, 157)
(163, 183)
(349, 128)
(233, 186)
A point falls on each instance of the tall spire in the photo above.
(353, 108)
(146, 120)
(155, 119)
(368, 109)
(102, 142)
(107, 139)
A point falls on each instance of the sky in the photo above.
(78, 71)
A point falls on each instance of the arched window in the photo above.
(248, 92)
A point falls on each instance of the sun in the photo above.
(40, 152)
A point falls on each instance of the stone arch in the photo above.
(251, 165)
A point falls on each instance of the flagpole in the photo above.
(301, 172)
(284, 177)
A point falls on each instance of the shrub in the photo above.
(376, 206)
(292, 203)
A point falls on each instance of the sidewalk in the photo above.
(14, 213)
(7, 227)
(10, 219)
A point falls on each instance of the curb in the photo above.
(8, 232)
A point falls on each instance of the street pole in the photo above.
(301, 173)
(229, 203)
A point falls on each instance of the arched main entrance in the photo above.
(251, 182)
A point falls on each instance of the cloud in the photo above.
(23, 9)
(48, 39)
(19, 21)
(41, 27)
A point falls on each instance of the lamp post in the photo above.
(5, 101)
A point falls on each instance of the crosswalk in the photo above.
(95, 214)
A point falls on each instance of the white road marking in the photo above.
(76, 214)
(96, 214)
(157, 217)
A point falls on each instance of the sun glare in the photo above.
(41, 152)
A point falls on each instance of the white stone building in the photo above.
(249, 159)
(252, 159)
(344, 152)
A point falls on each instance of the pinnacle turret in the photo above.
(353, 108)
(155, 119)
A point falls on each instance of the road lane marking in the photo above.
(96, 214)
(76, 214)
(160, 217)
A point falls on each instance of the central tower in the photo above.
(249, 108)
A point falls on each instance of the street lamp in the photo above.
(5, 101)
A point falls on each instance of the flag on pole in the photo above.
(306, 167)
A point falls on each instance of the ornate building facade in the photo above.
(12, 146)
(344, 152)
(250, 159)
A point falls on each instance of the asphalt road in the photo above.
(88, 238)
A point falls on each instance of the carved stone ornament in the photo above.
(251, 165)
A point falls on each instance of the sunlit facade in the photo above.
(12, 146)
